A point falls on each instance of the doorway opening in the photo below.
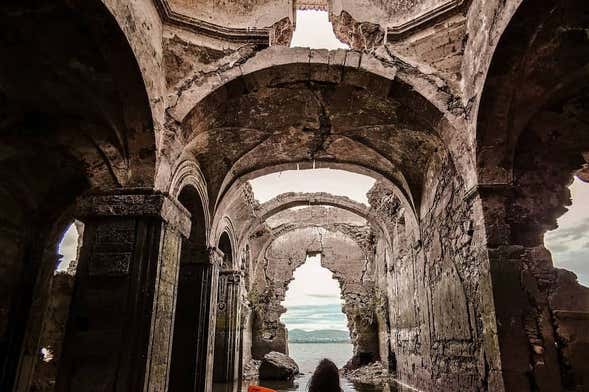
(317, 327)
(188, 370)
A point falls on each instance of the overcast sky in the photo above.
(314, 30)
(313, 299)
(337, 182)
(569, 243)
(68, 247)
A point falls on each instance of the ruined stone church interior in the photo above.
(137, 132)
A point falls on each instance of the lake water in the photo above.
(307, 356)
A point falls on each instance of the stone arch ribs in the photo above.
(190, 361)
(188, 173)
(341, 60)
(512, 97)
(227, 241)
(384, 126)
(292, 199)
(252, 218)
(374, 214)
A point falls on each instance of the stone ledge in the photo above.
(136, 202)
(239, 35)
(398, 31)
(571, 315)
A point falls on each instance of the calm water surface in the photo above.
(307, 356)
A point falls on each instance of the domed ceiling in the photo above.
(257, 16)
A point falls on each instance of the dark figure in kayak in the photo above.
(325, 378)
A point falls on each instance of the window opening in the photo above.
(569, 243)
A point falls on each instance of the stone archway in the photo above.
(194, 298)
(531, 141)
(343, 252)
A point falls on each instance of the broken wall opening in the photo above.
(57, 310)
(314, 319)
(569, 243)
(313, 27)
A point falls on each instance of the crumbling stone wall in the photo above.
(548, 304)
(345, 250)
(432, 285)
(531, 141)
(54, 325)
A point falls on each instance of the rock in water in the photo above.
(277, 366)
(373, 374)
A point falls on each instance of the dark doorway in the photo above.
(226, 363)
(193, 303)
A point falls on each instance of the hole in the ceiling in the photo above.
(314, 30)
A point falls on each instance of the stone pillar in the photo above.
(216, 260)
(520, 273)
(245, 338)
(228, 327)
(119, 333)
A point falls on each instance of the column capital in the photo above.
(216, 256)
(135, 202)
(233, 276)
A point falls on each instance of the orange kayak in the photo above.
(253, 388)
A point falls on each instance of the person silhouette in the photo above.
(325, 378)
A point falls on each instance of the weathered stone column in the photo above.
(119, 333)
(228, 327)
(525, 352)
(216, 260)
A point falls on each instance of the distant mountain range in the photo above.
(320, 336)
